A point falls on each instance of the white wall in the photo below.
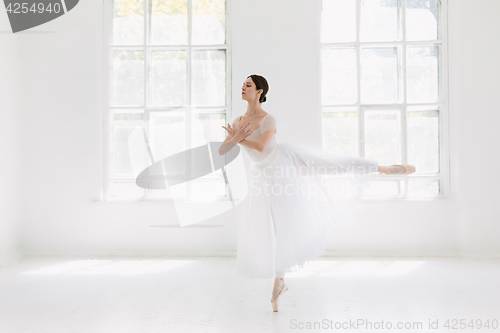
(60, 152)
(11, 186)
(475, 105)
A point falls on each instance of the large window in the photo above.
(166, 59)
(383, 89)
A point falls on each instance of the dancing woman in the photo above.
(283, 226)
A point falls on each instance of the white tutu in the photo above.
(299, 196)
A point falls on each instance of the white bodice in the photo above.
(265, 124)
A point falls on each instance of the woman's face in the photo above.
(249, 90)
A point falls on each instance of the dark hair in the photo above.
(260, 83)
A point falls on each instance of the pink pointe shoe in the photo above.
(276, 300)
(409, 168)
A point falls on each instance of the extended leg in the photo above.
(396, 169)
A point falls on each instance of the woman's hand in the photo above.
(243, 132)
(230, 131)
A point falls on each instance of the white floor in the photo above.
(205, 295)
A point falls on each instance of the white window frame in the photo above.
(444, 152)
(108, 88)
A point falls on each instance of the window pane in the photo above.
(128, 78)
(379, 21)
(380, 75)
(207, 186)
(383, 136)
(338, 76)
(338, 21)
(123, 125)
(423, 140)
(168, 78)
(128, 22)
(169, 22)
(340, 133)
(423, 187)
(422, 68)
(422, 18)
(209, 78)
(209, 22)
(380, 187)
(212, 128)
(160, 193)
(167, 133)
(126, 189)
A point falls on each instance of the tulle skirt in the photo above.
(299, 198)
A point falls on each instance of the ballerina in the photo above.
(284, 229)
